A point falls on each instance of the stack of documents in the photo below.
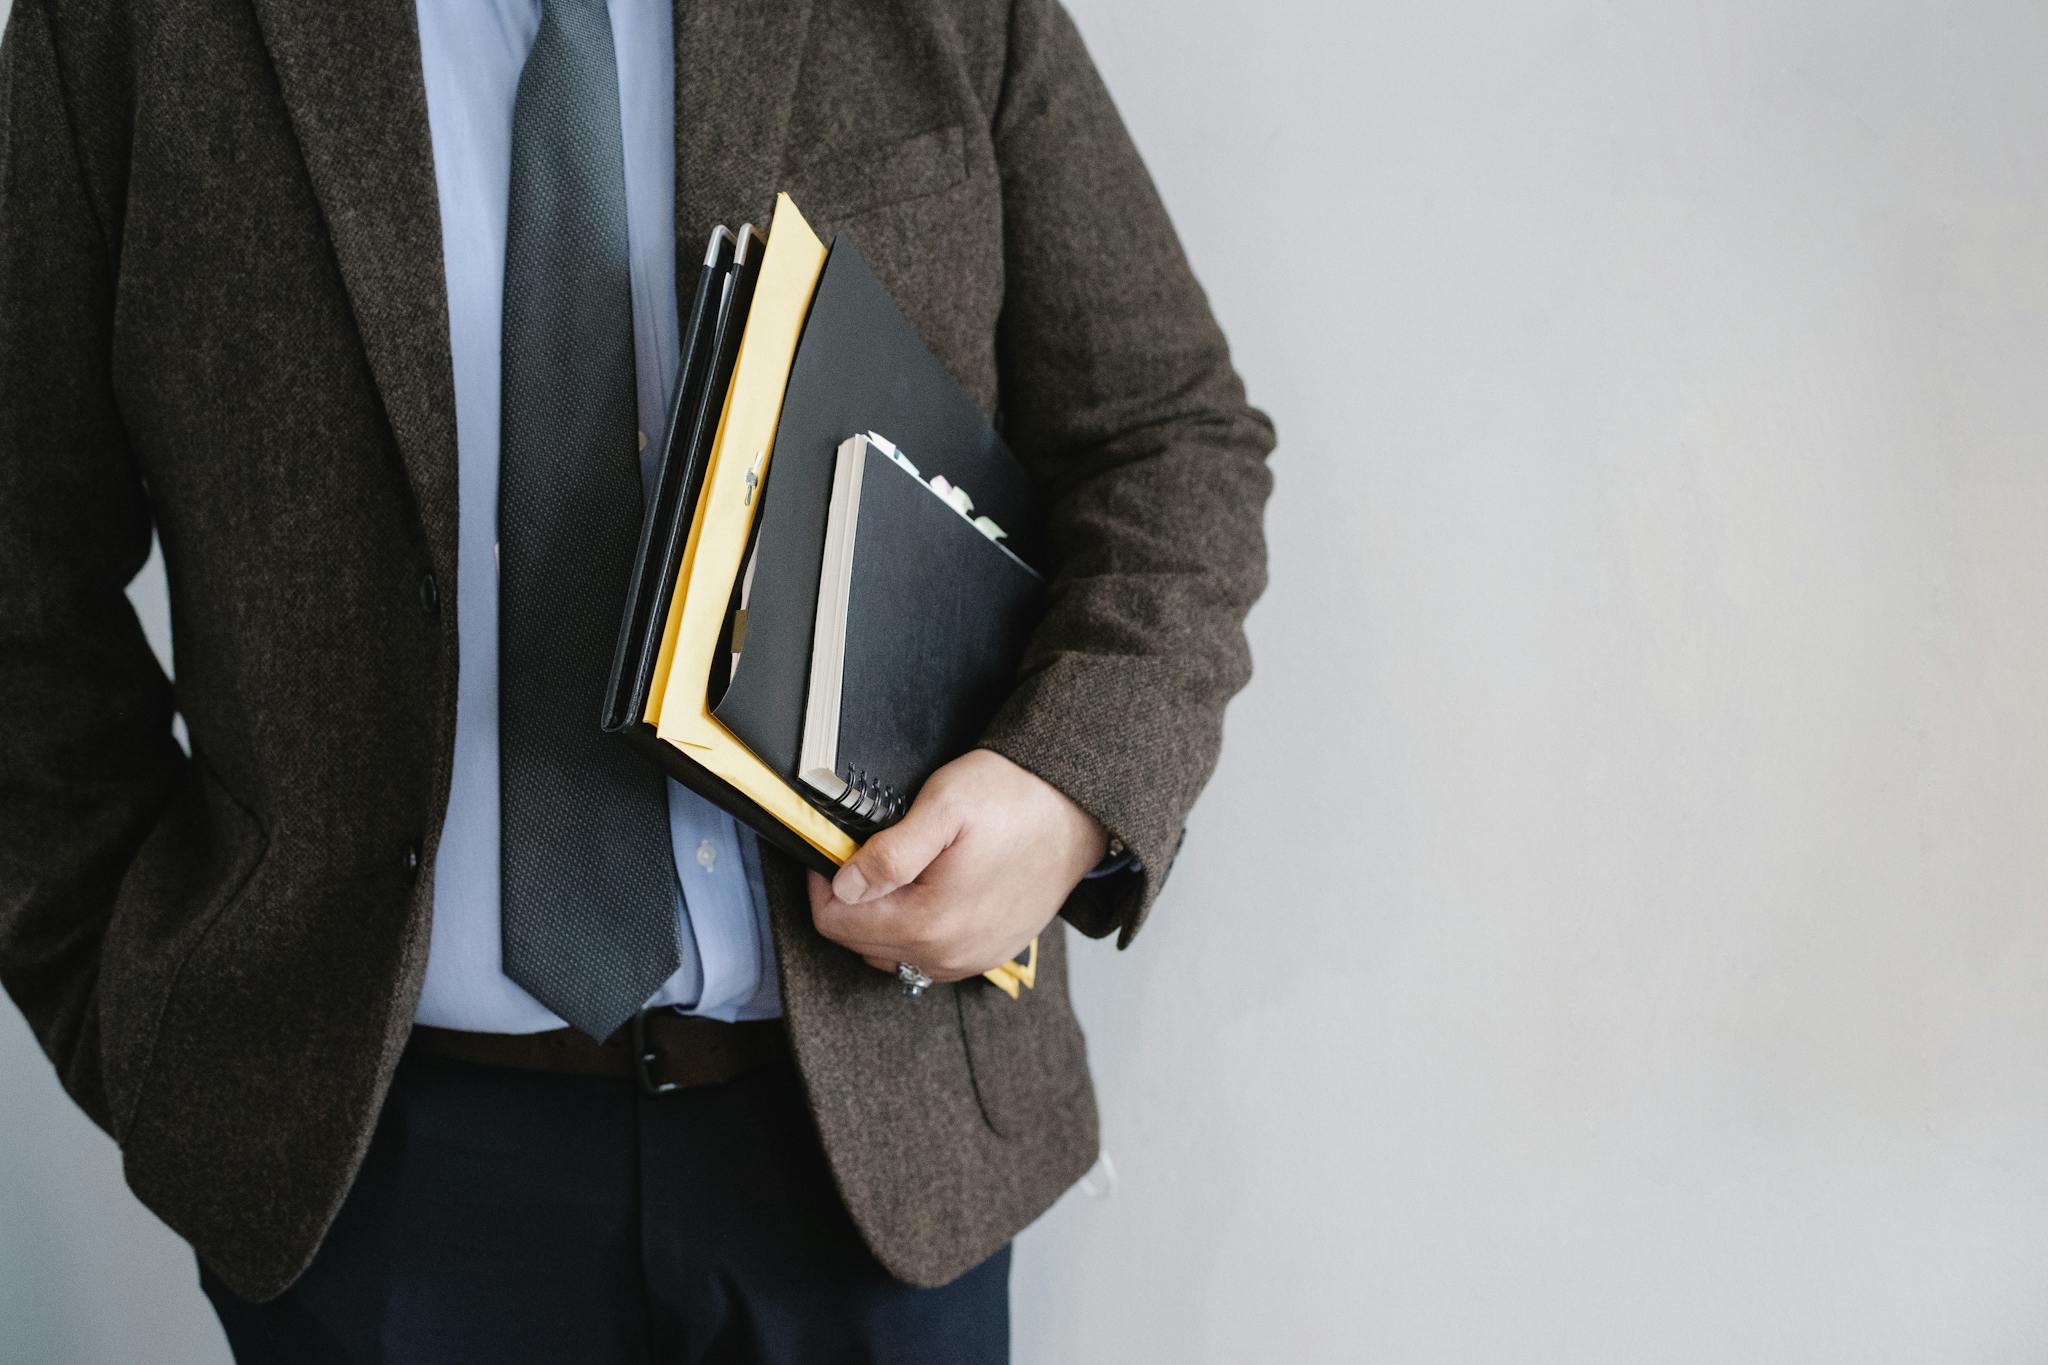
(802, 388)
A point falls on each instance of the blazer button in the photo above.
(412, 859)
(430, 594)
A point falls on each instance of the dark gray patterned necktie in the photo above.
(590, 885)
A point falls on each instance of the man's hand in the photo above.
(980, 864)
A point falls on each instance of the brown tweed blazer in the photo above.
(224, 319)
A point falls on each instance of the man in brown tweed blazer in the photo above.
(226, 321)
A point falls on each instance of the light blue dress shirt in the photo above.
(471, 52)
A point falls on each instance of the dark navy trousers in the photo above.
(507, 1216)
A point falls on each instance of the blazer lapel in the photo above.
(737, 64)
(350, 75)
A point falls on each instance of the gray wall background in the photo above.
(1616, 931)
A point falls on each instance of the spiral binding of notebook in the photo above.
(866, 805)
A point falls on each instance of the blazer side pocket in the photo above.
(840, 183)
(1027, 1056)
(197, 862)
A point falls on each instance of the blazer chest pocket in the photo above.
(841, 183)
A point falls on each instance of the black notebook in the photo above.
(861, 366)
(922, 615)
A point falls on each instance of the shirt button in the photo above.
(707, 855)
(412, 859)
(643, 440)
(430, 594)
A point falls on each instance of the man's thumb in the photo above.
(897, 854)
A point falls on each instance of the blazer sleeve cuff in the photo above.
(1096, 730)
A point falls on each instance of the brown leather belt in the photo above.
(659, 1050)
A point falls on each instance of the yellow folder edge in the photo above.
(1014, 976)
(735, 472)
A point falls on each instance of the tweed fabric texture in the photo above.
(589, 893)
(219, 253)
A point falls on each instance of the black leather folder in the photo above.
(713, 329)
(861, 366)
(711, 339)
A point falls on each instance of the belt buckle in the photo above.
(644, 1057)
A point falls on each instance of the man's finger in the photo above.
(865, 947)
(900, 852)
(904, 922)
